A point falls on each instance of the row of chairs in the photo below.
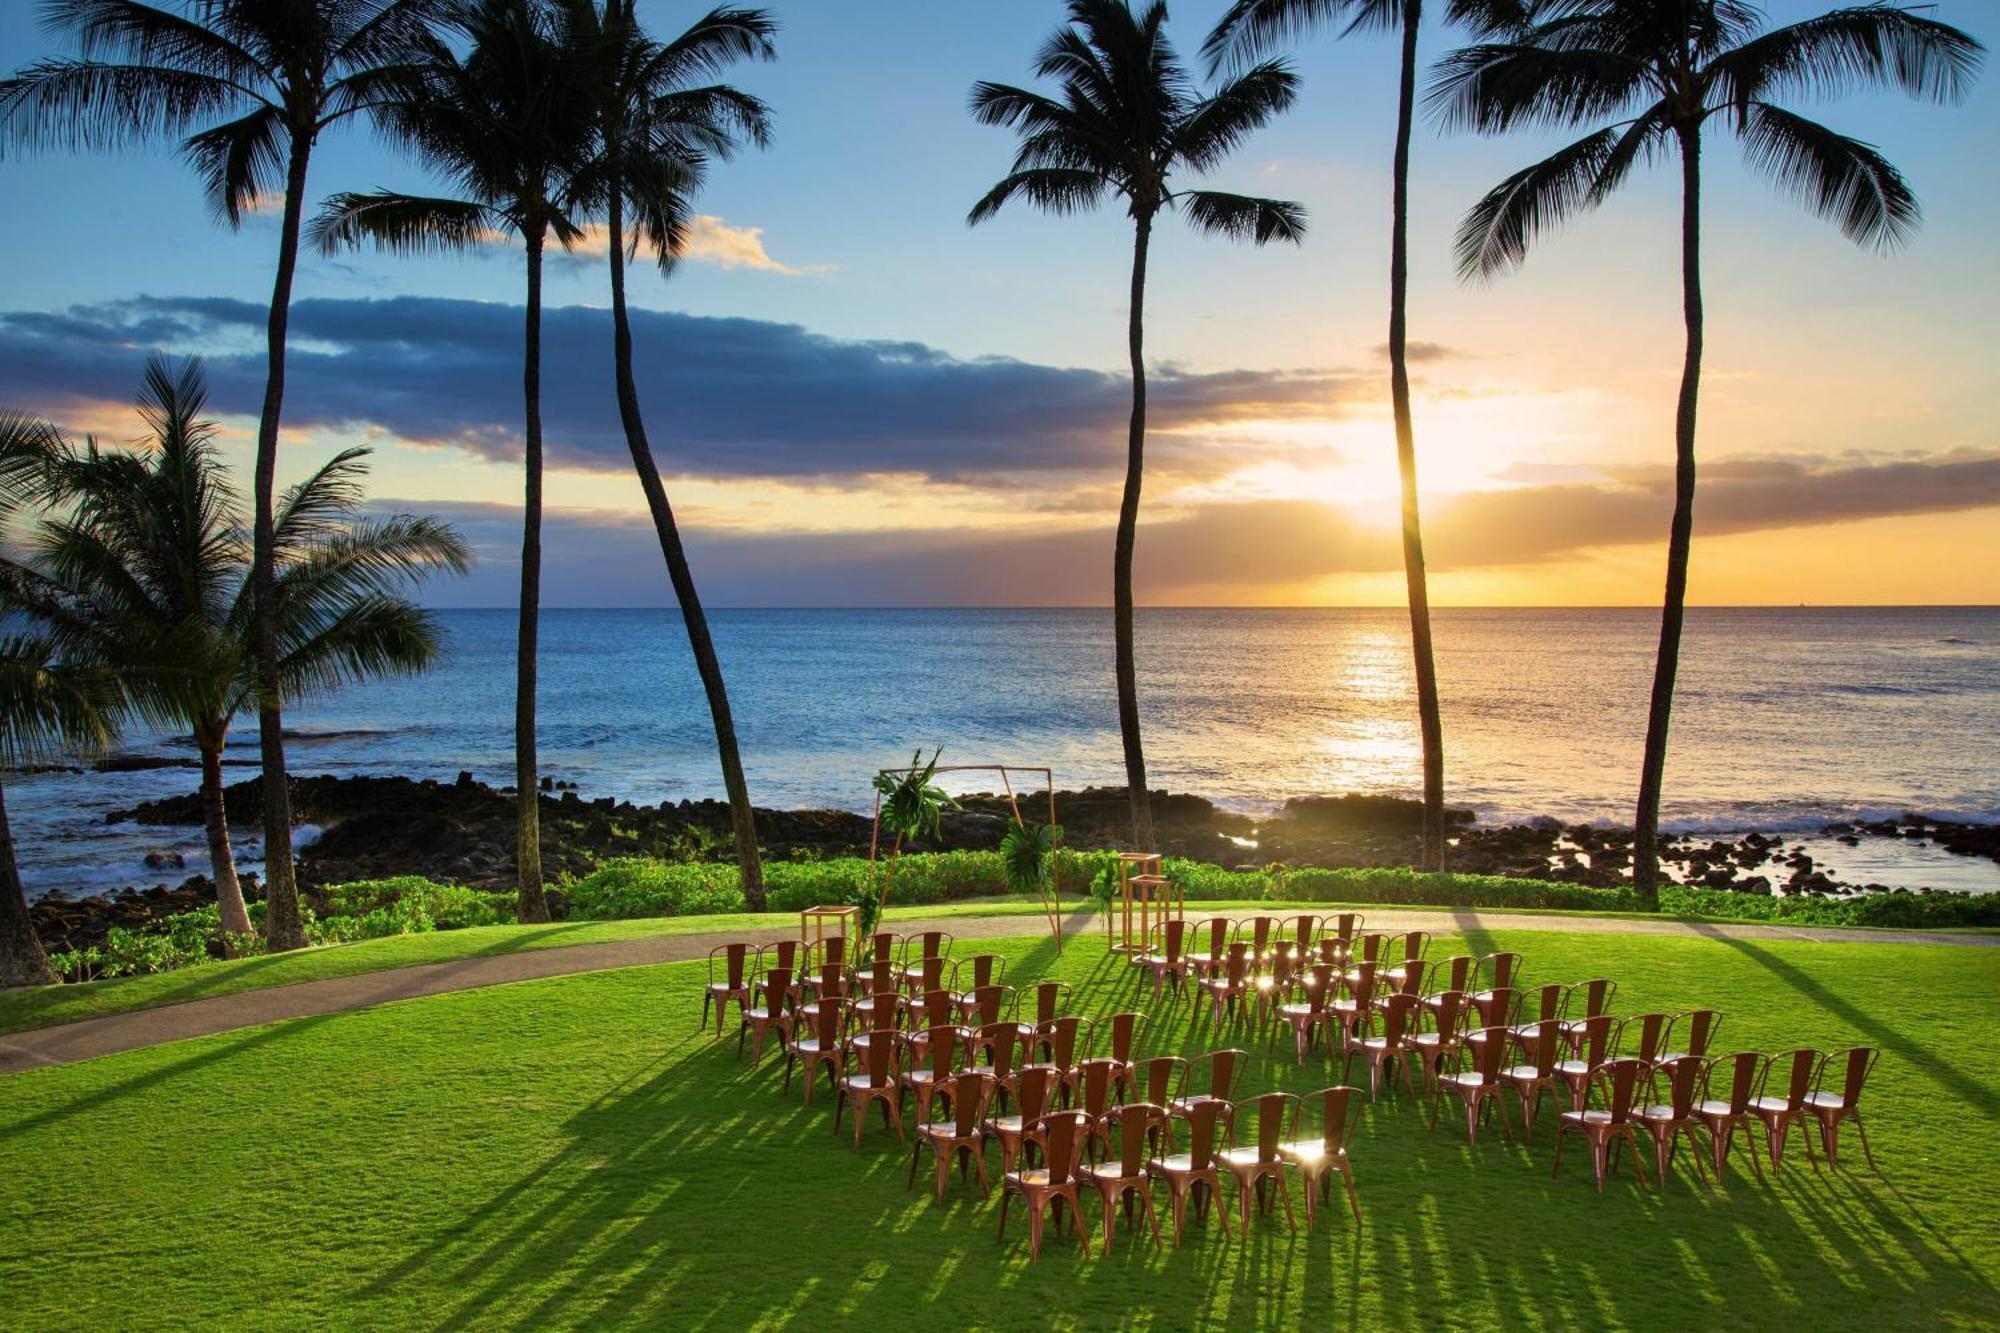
(919, 961)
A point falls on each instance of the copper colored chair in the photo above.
(1210, 1077)
(1033, 1094)
(1671, 1088)
(1045, 1189)
(832, 949)
(1366, 949)
(1301, 935)
(1058, 1043)
(1274, 984)
(821, 1040)
(1535, 1074)
(924, 975)
(1411, 946)
(935, 1010)
(1122, 1033)
(770, 1012)
(1170, 959)
(1543, 1004)
(1227, 986)
(1318, 1157)
(1195, 1173)
(1608, 1123)
(1349, 1012)
(1640, 1035)
(876, 1078)
(1383, 1036)
(1591, 1040)
(1091, 1084)
(830, 981)
(1410, 983)
(1495, 971)
(1830, 1108)
(982, 969)
(1207, 945)
(1038, 1004)
(1307, 1015)
(1779, 1113)
(1446, 1013)
(930, 1059)
(878, 998)
(985, 1005)
(1475, 1080)
(732, 984)
(1261, 933)
(1339, 931)
(1492, 1008)
(1722, 1111)
(1157, 1079)
(784, 953)
(967, 1094)
(922, 945)
(1129, 1133)
(1253, 1164)
(881, 947)
(1690, 1033)
(1595, 998)
(990, 1049)
(1453, 974)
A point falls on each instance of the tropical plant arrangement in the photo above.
(909, 805)
(1027, 856)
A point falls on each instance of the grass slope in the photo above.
(570, 1153)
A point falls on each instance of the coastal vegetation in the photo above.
(590, 1152)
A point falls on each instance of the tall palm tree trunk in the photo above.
(533, 903)
(741, 816)
(1652, 774)
(283, 928)
(22, 961)
(1121, 564)
(1429, 721)
(215, 822)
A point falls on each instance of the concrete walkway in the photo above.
(93, 1037)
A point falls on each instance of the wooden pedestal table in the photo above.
(817, 919)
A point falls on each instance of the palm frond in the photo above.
(1864, 46)
(1492, 87)
(1841, 179)
(241, 161)
(1221, 122)
(1250, 30)
(402, 223)
(1057, 190)
(1240, 217)
(1496, 234)
(82, 105)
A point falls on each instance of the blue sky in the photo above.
(1558, 376)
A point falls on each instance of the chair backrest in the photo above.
(879, 1057)
(930, 972)
(1616, 1081)
(1497, 1007)
(1396, 1011)
(1692, 1031)
(1796, 1069)
(833, 949)
(776, 989)
(882, 978)
(1542, 1051)
(832, 980)
(1448, 1012)
(1049, 998)
(1283, 967)
(1594, 996)
(1321, 981)
(1641, 1033)
(1202, 1119)
(1215, 1073)
(988, 1003)
(926, 944)
(1212, 936)
(828, 1021)
(1064, 1034)
(969, 1091)
(938, 1008)
(997, 1042)
(982, 969)
(1679, 1079)
(1412, 945)
(941, 1046)
(779, 953)
(1236, 965)
(1345, 925)
(1034, 1089)
(1123, 1031)
(1368, 947)
(1159, 1076)
(1544, 1002)
(1593, 1039)
(732, 956)
(1274, 1112)
(1413, 978)
(1739, 1075)
(1131, 1128)
(1853, 1065)
(1497, 971)
(1362, 988)
(1305, 930)
(879, 948)
(1488, 1051)
(1092, 1080)
(1255, 931)
(1332, 1106)
(1062, 1135)
(1173, 939)
(1454, 973)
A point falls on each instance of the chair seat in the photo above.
(1296, 1010)
(1586, 1117)
(1522, 1073)
(760, 1015)
(1005, 1124)
(1826, 1101)
(1378, 1044)
(863, 1083)
(945, 1129)
(1428, 1040)
(1659, 1114)
(1308, 1152)
(1241, 1157)
(1107, 1173)
(1573, 1068)
(1157, 960)
(1180, 1164)
(1037, 1176)
(1770, 1105)
(1466, 1078)
(813, 1046)
(1529, 1031)
(1713, 1108)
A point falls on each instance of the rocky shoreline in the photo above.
(463, 832)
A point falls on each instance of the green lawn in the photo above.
(570, 1153)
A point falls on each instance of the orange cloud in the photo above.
(711, 240)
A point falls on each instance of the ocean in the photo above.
(1787, 718)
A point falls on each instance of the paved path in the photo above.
(92, 1037)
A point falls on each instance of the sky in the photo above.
(859, 400)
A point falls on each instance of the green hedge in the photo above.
(635, 886)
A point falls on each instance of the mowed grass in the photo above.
(48, 1005)
(572, 1153)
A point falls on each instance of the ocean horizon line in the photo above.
(1223, 606)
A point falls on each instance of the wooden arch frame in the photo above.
(1052, 895)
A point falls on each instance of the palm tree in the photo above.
(47, 707)
(1127, 122)
(146, 553)
(1252, 28)
(657, 130)
(282, 74)
(1659, 71)
(504, 124)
